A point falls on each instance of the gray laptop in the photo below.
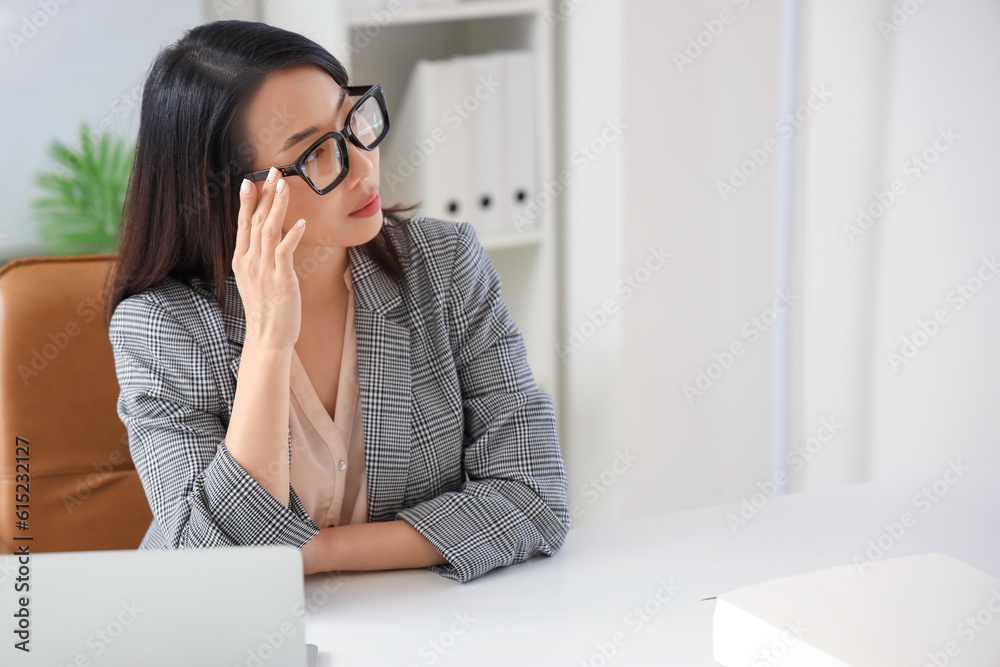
(239, 606)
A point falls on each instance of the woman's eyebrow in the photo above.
(309, 131)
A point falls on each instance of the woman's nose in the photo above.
(360, 163)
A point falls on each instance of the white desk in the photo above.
(556, 610)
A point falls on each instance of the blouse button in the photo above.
(342, 464)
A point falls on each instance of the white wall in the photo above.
(877, 98)
(592, 96)
(897, 88)
(690, 126)
(842, 154)
(942, 404)
(85, 62)
(660, 140)
(684, 131)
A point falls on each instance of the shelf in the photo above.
(501, 240)
(386, 46)
(462, 11)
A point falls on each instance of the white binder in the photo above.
(464, 142)
(427, 156)
(483, 105)
(397, 175)
(519, 187)
(915, 610)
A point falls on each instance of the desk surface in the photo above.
(632, 590)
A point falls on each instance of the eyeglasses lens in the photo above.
(325, 163)
(368, 123)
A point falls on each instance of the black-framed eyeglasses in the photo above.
(325, 164)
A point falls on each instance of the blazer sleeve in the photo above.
(199, 495)
(513, 506)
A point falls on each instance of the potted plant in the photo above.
(85, 192)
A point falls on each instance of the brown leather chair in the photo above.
(64, 447)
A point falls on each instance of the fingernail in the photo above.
(280, 187)
(300, 222)
(271, 174)
(245, 188)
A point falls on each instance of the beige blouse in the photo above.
(328, 455)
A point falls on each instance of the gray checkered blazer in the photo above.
(446, 391)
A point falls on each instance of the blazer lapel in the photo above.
(384, 378)
(384, 373)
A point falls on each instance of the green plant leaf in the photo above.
(83, 194)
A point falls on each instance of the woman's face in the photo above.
(290, 101)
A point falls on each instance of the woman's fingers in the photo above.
(247, 201)
(283, 253)
(271, 231)
(263, 264)
(260, 215)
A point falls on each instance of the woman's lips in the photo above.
(368, 209)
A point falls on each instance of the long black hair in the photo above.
(193, 148)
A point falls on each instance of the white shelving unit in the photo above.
(383, 46)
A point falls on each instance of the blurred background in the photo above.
(765, 248)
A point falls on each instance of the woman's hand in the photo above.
(262, 262)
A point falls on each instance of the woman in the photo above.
(353, 384)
